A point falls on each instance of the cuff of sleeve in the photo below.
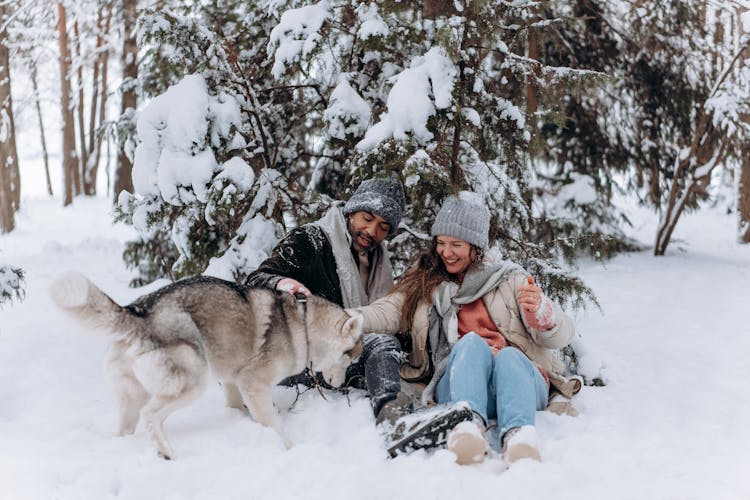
(352, 312)
(272, 282)
(543, 319)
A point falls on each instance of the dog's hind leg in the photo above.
(130, 393)
(257, 397)
(154, 414)
(131, 397)
(232, 395)
(175, 376)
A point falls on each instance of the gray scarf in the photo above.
(446, 299)
(354, 293)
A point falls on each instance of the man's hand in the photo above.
(529, 296)
(292, 286)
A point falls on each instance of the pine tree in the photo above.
(633, 129)
(436, 93)
(232, 211)
(262, 113)
(323, 92)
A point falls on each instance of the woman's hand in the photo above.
(529, 296)
(537, 309)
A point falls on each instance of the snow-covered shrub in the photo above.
(11, 284)
(186, 196)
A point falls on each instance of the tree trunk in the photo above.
(532, 104)
(743, 183)
(743, 199)
(42, 139)
(7, 218)
(676, 206)
(95, 86)
(79, 109)
(432, 9)
(98, 101)
(123, 173)
(9, 185)
(70, 156)
(103, 102)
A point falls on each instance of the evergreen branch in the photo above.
(290, 87)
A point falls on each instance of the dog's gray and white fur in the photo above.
(164, 343)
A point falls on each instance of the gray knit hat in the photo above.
(383, 197)
(465, 217)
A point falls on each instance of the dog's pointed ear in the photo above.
(353, 326)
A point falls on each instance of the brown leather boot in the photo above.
(394, 409)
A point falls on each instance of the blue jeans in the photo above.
(506, 386)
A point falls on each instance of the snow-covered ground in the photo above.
(672, 423)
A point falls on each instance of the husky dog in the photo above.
(251, 338)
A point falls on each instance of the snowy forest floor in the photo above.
(671, 424)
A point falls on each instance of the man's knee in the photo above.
(379, 344)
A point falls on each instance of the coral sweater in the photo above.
(474, 317)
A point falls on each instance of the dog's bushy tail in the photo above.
(77, 295)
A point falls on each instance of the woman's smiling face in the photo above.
(456, 254)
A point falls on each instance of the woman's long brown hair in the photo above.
(419, 281)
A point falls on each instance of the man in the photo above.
(341, 257)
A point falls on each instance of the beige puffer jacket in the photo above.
(384, 315)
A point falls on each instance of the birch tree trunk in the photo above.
(69, 153)
(123, 173)
(9, 174)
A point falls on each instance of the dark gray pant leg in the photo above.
(377, 369)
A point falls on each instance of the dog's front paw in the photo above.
(287, 443)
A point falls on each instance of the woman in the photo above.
(481, 332)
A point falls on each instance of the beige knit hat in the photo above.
(465, 217)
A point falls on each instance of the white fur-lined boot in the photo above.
(468, 441)
(519, 443)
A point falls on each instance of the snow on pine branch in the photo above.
(347, 114)
(372, 25)
(416, 94)
(176, 172)
(174, 152)
(296, 34)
